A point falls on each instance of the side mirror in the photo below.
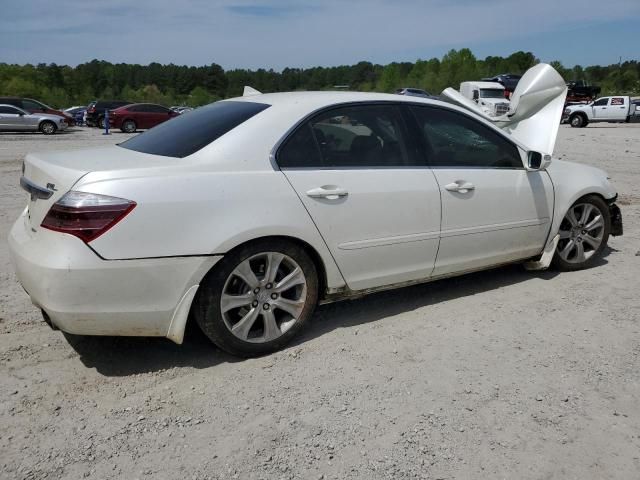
(476, 95)
(537, 161)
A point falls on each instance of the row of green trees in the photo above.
(62, 85)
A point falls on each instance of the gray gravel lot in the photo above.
(499, 374)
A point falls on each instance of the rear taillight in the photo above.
(86, 215)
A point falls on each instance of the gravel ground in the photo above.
(499, 374)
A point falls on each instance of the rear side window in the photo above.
(8, 110)
(300, 150)
(350, 137)
(186, 134)
(453, 139)
(32, 105)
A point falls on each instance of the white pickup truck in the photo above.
(616, 108)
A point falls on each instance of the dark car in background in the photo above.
(96, 111)
(140, 116)
(414, 92)
(508, 80)
(34, 106)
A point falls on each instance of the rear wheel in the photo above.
(258, 298)
(584, 232)
(48, 128)
(129, 126)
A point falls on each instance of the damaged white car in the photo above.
(244, 214)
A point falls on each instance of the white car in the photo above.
(246, 213)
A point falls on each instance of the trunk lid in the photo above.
(48, 176)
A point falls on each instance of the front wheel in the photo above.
(48, 128)
(584, 232)
(257, 298)
(578, 121)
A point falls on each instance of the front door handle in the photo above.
(460, 186)
(330, 192)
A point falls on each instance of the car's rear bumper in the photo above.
(81, 293)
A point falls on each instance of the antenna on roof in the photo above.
(249, 91)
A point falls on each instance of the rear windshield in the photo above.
(194, 130)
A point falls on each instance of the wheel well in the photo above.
(581, 114)
(42, 122)
(313, 254)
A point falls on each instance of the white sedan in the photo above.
(246, 213)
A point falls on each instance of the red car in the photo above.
(139, 116)
(34, 106)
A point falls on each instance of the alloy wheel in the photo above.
(581, 233)
(48, 128)
(263, 297)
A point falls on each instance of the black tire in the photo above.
(578, 120)
(101, 123)
(207, 309)
(129, 126)
(48, 128)
(563, 264)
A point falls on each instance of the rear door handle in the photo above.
(330, 192)
(460, 186)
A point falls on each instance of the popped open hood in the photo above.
(535, 110)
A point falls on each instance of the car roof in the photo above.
(315, 100)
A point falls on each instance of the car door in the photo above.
(600, 107)
(158, 114)
(616, 109)
(493, 210)
(370, 194)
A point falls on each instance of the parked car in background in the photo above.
(181, 110)
(582, 89)
(636, 113)
(508, 80)
(78, 114)
(96, 111)
(14, 119)
(140, 116)
(618, 108)
(71, 110)
(414, 92)
(34, 106)
(195, 219)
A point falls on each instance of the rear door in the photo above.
(370, 194)
(493, 210)
(617, 109)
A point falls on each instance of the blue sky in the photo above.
(280, 33)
